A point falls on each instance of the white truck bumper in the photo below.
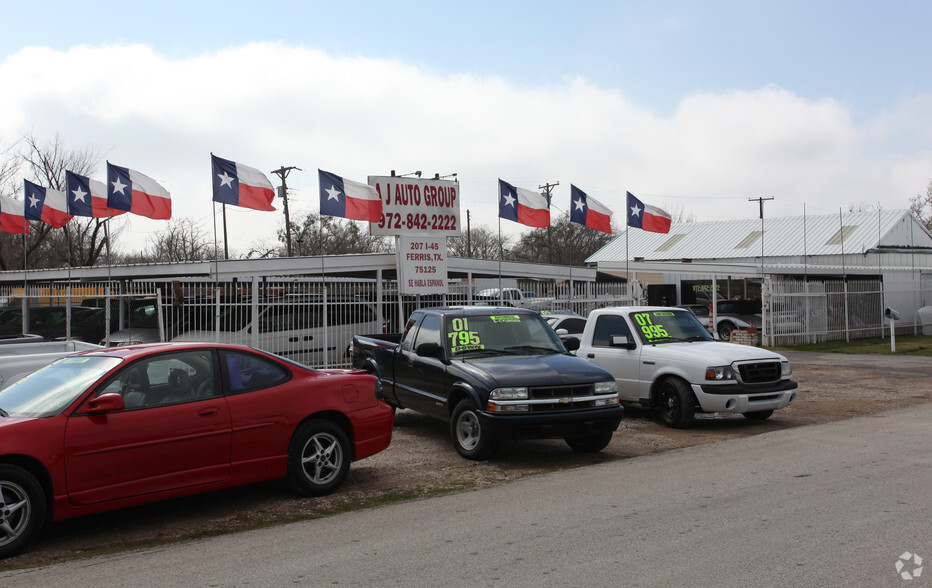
(743, 402)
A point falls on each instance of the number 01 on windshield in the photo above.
(461, 338)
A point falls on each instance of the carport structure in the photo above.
(314, 297)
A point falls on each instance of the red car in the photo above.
(113, 428)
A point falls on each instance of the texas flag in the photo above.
(87, 197)
(240, 185)
(588, 211)
(12, 216)
(648, 218)
(522, 206)
(349, 199)
(134, 192)
(46, 205)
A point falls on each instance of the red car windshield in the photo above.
(52, 389)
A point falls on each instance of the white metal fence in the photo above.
(813, 311)
(308, 320)
(312, 321)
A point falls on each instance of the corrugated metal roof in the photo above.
(782, 237)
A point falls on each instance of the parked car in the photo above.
(48, 322)
(139, 324)
(492, 374)
(663, 358)
(117, 427)
(511, 297)
(743, 314)
(291, 326)
(573, 324)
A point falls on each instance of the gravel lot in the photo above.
(421, 462)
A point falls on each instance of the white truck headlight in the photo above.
(720, 373)
(786, 370)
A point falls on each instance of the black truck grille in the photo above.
(763, 372)
(563, 397)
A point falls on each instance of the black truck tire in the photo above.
(469, 438)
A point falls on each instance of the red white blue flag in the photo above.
(12, 216)
(348, 199)
(87, 197)
(240, 185)
(137, 193)
(586, 210)
(648, 218)
(522, 206)
(46, 205)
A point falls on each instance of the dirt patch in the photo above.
(422, 462)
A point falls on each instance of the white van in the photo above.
(300, 328)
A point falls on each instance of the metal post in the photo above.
(283, 172)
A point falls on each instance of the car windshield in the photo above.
(667, 326)
(50, 390)
(518, 334)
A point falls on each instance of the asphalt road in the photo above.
(827, 505)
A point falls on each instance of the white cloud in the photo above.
(268, 105)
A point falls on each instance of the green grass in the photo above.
(905, 345)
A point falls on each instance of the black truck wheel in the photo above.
(675, 403)
(469, 438)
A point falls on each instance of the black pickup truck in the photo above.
(493, 374)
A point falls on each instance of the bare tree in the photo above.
(481, 243)
(678, 214)
(181, 240)
(336, 236)
(9, 169)
(568, 243)
(82, 240)
(921, 206)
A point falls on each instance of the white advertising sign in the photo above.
(422, 265)
(416, 207)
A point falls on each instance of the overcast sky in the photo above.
(694, 107)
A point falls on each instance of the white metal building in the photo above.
(784, 257)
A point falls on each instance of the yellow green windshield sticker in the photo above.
(505, 318)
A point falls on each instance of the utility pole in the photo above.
(547, 189)
(760, 201)
(283, 172)
(468, 237)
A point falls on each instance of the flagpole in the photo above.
(109, 279)
(214, 214)
(25, 283)
(226, 242)
(68, 291)
(501, 256)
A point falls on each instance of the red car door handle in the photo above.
(207, 412)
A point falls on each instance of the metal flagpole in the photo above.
(844, 275)
(109, 281)
(501, 255)
(25, 300)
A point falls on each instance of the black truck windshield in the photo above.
(513, 334)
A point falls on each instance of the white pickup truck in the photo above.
(21, 359)
(664, 358)
(511, 297)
